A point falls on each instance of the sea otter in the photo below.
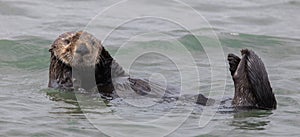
(78, 59)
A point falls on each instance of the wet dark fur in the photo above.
(252, 86)
(60, 74)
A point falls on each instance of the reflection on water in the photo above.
(251, 120)
(66, 96)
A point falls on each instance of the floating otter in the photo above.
(78, 59)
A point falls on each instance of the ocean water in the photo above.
(179, 43)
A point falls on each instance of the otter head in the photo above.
(77, 49)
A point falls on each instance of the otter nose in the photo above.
(82, 50)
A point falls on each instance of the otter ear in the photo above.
(51, 49)
(101, 46)
(53, 46)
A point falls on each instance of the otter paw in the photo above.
(233, 62)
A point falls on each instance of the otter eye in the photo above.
(93, 42)
(67, 42)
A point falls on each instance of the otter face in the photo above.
(77, 49)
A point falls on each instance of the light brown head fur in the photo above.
(77, 49)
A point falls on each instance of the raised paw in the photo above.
(233, 62)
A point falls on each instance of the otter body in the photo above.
(78, 60)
